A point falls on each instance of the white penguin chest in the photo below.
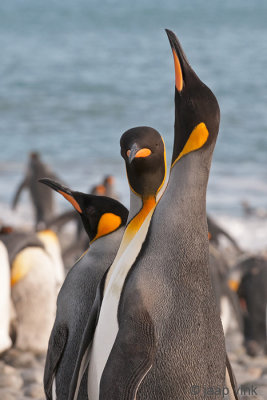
(107, 327)
(5, 341)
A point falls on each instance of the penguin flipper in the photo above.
(130, 360)
(23, 185)
(230, 381)
(56, 345)
(87, 338)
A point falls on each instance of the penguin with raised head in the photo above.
(104, 220)
(5, 341)
(42, 197)
(165, 337)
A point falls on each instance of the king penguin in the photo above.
(42, 197)
(33, 289)
(104, 220)
(165, 338)
(248, 279)
(5, 341)
(143, 150)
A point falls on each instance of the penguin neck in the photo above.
(188, 185)
(148, 203)
(140, 206)
(185, 217)
(103, 241)
(135, 205)
(107, 243)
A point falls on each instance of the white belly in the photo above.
(107, 327)
(5, 341)
(225, 313)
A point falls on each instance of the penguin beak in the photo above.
(136, 152)
(180, 61)
(63, 190)
(132, 152)
(55, 185)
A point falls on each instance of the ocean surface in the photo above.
(76, 74)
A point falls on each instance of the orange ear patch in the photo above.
(197, 139)
(71, 200)
(178, 72)
(234, 285)
(108, 223)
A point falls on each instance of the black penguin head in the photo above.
(197, 113)
(34, 155)
(34, 158)
(144, 153)
(100, 215)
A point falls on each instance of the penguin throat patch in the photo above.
(197, 139)
(20, 268)
(131, 230)
(135, 224)
(108, 223)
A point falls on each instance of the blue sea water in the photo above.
(76, 74)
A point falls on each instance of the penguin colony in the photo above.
(138, 314)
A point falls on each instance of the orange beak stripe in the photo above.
(71, 200)
(141, 153)
(178, 72)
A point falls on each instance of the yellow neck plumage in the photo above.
(134, 225)
(131, 230)
(197, 139)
